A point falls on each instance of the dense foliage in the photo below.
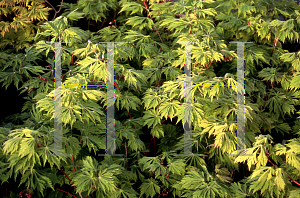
(149, 81)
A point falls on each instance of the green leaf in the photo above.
(141, 22)
(132, 7)
(152, 118)
(177, 167)
(157, 131)
(150, 187)
(75, 16)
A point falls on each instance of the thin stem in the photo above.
(281, 171)
(117, 86)
(166, 118)
(66, 192)
(232, 174)
(72, 58)
(130, 117)
(132, 44)
(115, 18)
(270, 92)
(158, 33)
(66, 176)
(56, 12)
(73, 164)
(72, 155)
(145, 4)
(149, 143)
(154, 147)
(275, 41)
(60, 6)
(200, 93)
(5, 190)
(133, 162)
(126, 153)
(206, 143)
(209, 64)
(22, 63)
(96, 53)
(125, 122)
(69, 178)
(154, 139)
(103, 19)
(9, 16)
(81, 137)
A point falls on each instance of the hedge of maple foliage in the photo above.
(149, 81)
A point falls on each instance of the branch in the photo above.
(275, 42)
(281, 171)
(154, 137)
(66, 192)
(117, 86)
(66, 176)
(60, 6)
(129, 116)
(126, 154)
(22, 62)
(149, 143)
(153, 24)
(69, 181)
(56, 12)
(73, 164)
(154, 147)
(5, 190)
(51, 5)
(103, 20)
(158, 33)
(165, 119)
(146, 8)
